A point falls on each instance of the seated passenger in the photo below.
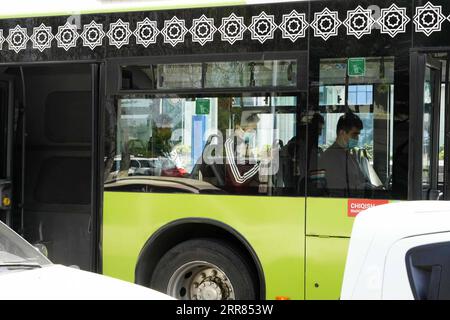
(241, 159)
(342, 172)
(300, 153)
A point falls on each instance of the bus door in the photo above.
(349, 93)
(60, 208)
(6, 133)
(425, 127)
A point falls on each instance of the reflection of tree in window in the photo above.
(159, 144)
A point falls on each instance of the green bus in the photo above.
(220, 152)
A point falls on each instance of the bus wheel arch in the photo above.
(183, 230)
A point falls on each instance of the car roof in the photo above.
(192, 185)
(404, 219)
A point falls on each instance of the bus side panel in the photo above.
(328, 217)
(329, 223)
(334, 217)
(325, 264)
(273, 226)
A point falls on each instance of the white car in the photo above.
(400, 251)
(27, 274)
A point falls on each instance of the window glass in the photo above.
(269, 73)
(331, 95)
(360, 94)
(427, 128)
(442, 135)
(14, 249)
(214, 145)
(351, 152)
(168, 76)
(162, 76)
(228, 74)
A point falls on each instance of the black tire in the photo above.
(217, 252)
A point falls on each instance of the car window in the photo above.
(135, 164)
(145, 164)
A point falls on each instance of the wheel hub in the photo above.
(210, 284)
(201, 281)
(209, 290)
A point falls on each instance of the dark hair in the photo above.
(252, 118)
(317, 119)
(348, 121)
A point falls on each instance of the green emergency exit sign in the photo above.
(356, 67)
(202, 106)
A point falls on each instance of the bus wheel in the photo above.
(204, 269)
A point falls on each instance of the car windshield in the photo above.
(15, 252)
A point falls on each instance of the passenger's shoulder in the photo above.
(332, 154)
(333, 149)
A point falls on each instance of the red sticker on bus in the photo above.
(355, 206)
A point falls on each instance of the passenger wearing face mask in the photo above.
(242, 165)
(246, 138)
(342, 172)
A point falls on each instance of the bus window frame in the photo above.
(298, 110)
(418, 62)
(114, 75)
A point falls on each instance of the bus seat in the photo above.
(213, 172)
(368, 170)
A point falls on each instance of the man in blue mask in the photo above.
(342, 171)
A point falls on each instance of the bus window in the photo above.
(234, 74)
(236, 144)
(427, 128)
(353, 156)
(280, 73)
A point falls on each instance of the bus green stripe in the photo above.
(125, 10)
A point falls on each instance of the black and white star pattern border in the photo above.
(359, 22)
(174, 31)
(2, 39)
(393, 20)
(203, 30)
(42, 37)
(294, 26)
(232, 28)
(263, 27)
(119, 33)
(17, 39)
(146, 32)
(67, 36)
(326, 24)
(427, 19)
(92, 35)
